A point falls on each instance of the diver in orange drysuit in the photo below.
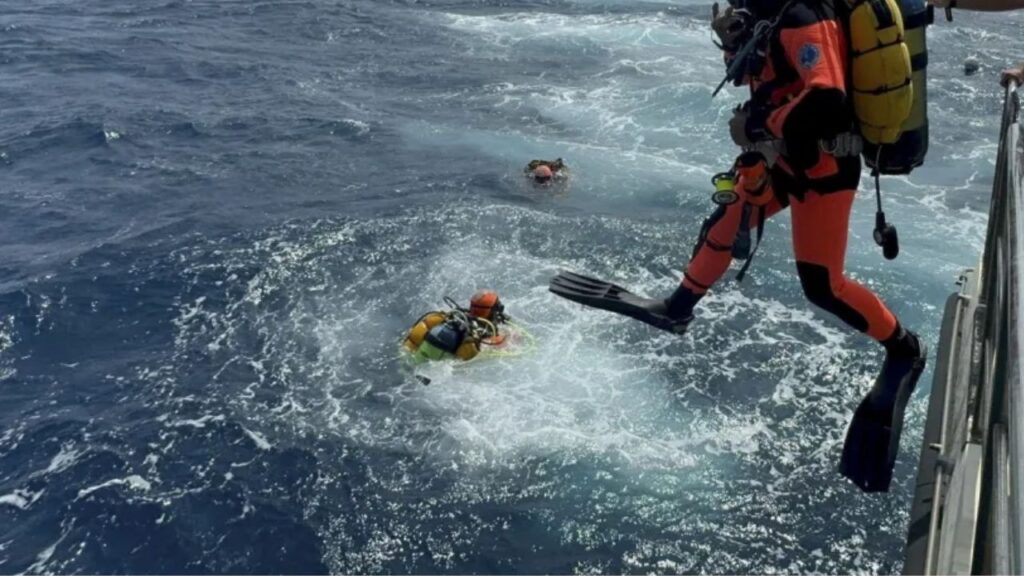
(798, 153)
(798, 100)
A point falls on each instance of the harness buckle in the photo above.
(844, 145)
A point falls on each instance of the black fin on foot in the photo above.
(873, 439)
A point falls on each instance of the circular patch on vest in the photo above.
(810, 54)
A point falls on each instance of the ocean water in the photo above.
(218, 217)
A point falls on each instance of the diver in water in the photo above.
(458, 332)
(1017, 74)
(798, 153)
(546, 171)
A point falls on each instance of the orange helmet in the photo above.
(486, 304)
(542, 173)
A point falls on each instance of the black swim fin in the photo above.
(607, 296)
(873, 439)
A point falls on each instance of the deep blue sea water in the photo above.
(218, 217)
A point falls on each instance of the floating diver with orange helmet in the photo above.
(546, 171)
(464, 333)
(802, 133)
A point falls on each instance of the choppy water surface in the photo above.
(217, 218)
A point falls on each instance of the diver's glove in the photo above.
(770, 149)
(738, 126)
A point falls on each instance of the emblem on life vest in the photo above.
(809, 55)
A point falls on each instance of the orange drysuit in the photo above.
(798, 98)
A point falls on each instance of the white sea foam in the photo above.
(362, 127)
(21, 498)
(64, 459)
(199, 422)
(258, 439)
(134, 482)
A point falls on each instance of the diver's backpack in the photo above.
(887, 79)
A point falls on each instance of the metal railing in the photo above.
(998, 414)
(968, 512)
